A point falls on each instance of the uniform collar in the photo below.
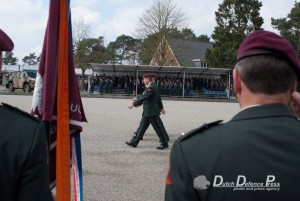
(249, 107)
(263, 111)
(148, 85)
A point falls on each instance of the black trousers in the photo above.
(157, 125)
(163, 128)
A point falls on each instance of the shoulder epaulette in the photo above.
(19, 111)
(197, 130)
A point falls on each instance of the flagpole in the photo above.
(63, 190)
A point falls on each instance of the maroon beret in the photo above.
(6, 43)
(268, 43)
(149, 75)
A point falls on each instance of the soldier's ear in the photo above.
(236, 81)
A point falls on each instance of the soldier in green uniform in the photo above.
(256, 155)
(23, 151)
(144, 124)
(152, 107)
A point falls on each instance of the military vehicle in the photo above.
(21, 80)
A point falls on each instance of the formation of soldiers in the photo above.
(102, 84)
(174, 86)
(167, 85)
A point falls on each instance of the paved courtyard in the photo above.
(112, 171)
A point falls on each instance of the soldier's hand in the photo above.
(130, 106)
(134, 99)
(163, 111)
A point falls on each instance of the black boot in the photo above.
(132, 144)
(162, 146)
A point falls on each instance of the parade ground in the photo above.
(113, 171)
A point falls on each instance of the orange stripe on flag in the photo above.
(168, 179)
(63, 190)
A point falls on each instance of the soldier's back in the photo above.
(22, 155)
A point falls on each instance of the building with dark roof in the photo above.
(178, 52)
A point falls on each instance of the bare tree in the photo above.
(162, 16)
(80, 31)
(156, 23)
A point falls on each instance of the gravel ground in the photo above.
(112, 171)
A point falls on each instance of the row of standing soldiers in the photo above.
(167, 85)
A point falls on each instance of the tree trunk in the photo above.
(83, 87)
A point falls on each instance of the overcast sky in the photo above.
(25, 20)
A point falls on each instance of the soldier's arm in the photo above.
(139, 101)
(179, 184)
(160, 104)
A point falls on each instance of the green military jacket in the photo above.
(151, 101)
(255, 156)
(23, 157)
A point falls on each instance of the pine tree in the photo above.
(9, 59)
(289, 26)
(235, 19)
(30, 59)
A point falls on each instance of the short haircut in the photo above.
(266, 74)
